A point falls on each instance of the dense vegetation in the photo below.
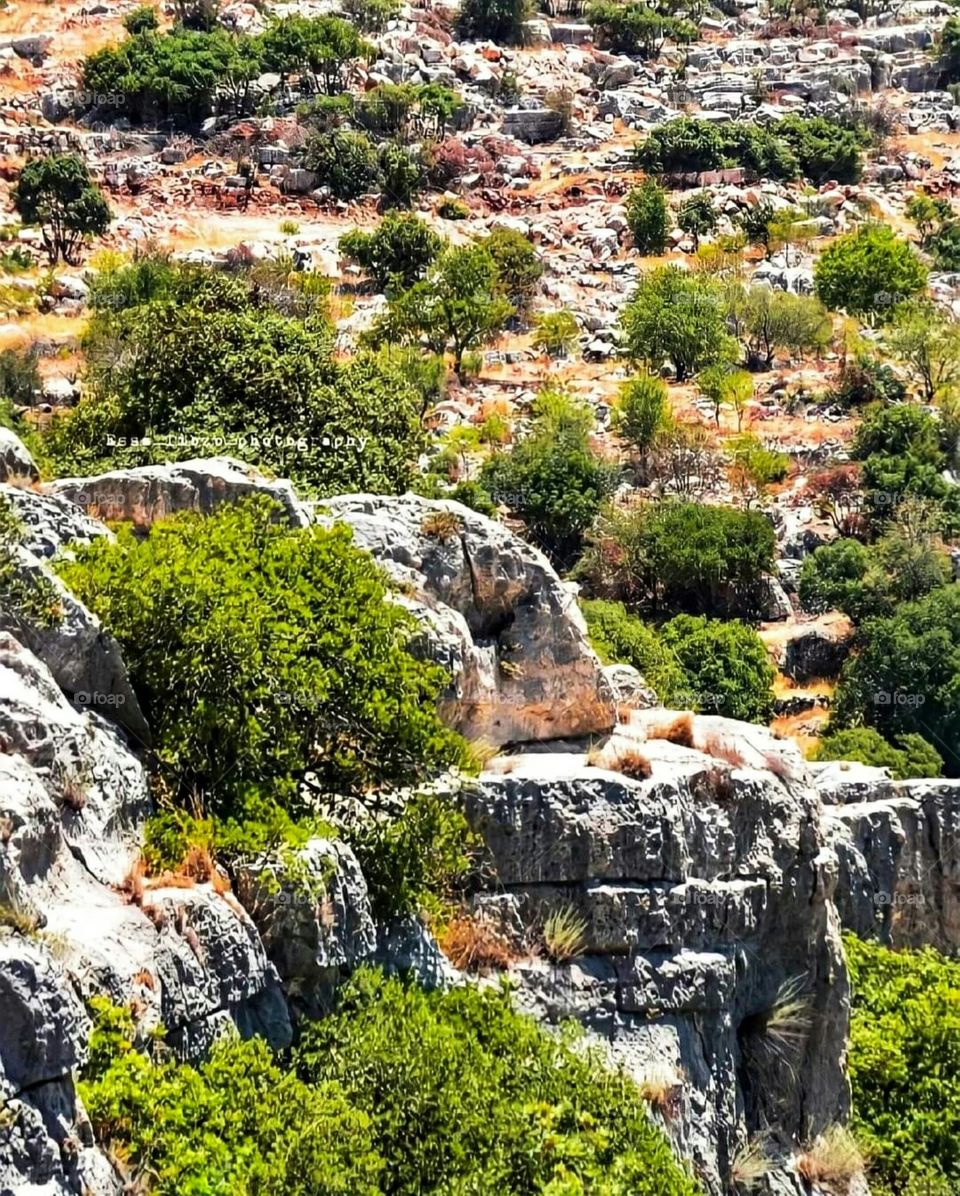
(905, 1067)
(398, 1092)
(268, 659)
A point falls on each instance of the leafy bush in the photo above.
(689, 144)
(776, 320)
(519, 268)
(619, 636)
(726, 666)
(643, 411)
(398, 252)
(371, 16)
(678, 317)
(905, 678)
(634, 28)
(141, 20)
(904, 1060)
(551, 478)
(697, 216)
(672, 557)
(23, 598)
(912, 756)
(556, 333)
(345, 161)
(210, 363)
(261, 653)
(57, 193)
(317, 49)
(824, 149)
(398, 1092)
(20, 380)
(494, 20)
(868, 272)
(648, 216)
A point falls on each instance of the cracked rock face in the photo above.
(705, 891)
(493, 612)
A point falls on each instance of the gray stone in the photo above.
(16, 464)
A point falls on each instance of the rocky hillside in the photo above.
(710, 868)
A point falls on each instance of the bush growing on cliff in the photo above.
(911, 757)
(726, 667)
(904, 1060)
(398, 1092)
(261, 653)
(617, 635)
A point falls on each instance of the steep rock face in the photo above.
(151, 492)
(73, 798)
(494, 613)
(705, 890)
(16, 464)
(898, 847)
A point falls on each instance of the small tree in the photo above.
(727, 666)
(753, 467)
(519, 267)
(697, 216)
(788, 227)
(494, 20)
(648, 216)
(57, 194)
(678, 317)
(142, 20)
(402, 176)
(928, 214)
(643, 411)
(557, 333)
(929, 343)
(458, 306)
(869, 272)
(346, 162)
(773, 320)
(399, 252)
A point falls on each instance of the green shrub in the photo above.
(23, 599)
(494, 20)
(398, 1092)
(260, 653)
(726, 666)
(904, 1060)
(869, 272)
(552, 478)
(57, 194)
(634, 28)
(622, 637)
(346, 161)
(643, 411)
(519, 268)
(143, 19)
(557, 333)
(648, 216)
(672, 557)
(689, 144)
(912, 756)
(398, 252)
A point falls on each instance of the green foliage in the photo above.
(635, 28)
(674, 557)
(945, 246)
(519, 268)
(317, 49)
(905, 678)
(57, 194)
(371, 16)
(726, 665)
(824, 149)
(398, 1092)
(143, 19)
(697, 216)
(928, 214)
(260, 652)
(950, 52)
(754, 467)
(772, 321)
(175, 75)
(904, 564)
(643, 411)
(904, 1060)
(210, 363)
(911, 757)
(556, 333)
(498, 21)
(398, 253)
(402, 175)
(20, 379)
(346, 161)
(869, 272)
(617, 635)
(408, 111)
(233, 1123)
(458, 306)
(928, 341)
(552, 478)
(755, 222)
(466, 1095)
(677, 316)
(865, 380)
(648, 216)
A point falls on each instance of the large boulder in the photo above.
(16, 464)
(150, 492)
(493, 612)
(698, 867)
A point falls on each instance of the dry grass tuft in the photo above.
(482, 751)
(147, 979)
(714, 784)
(834, 1158)
(631, 763)
(662, 1088)
(442, 525)
(720, 747)
(198, 865)
(473, 945)
(134, 883)
(750, 1164)
(788, 1022)
(679, 730)
(15, 917)
(564, 934)
(73, 790)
